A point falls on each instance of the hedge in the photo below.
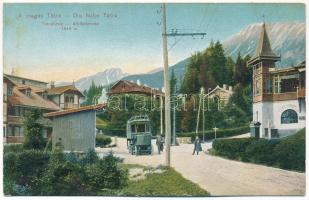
(221, 133)
(102, 141)
(287, 153)
(12, 148)
(114, 132)
(33, 172)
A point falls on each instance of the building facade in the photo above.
(279, 106)
(75, 129)
(66, 97)
(23, 94)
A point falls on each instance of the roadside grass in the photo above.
(169, 183)
(130, 166)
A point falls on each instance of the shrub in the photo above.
(291, 152)
(91, 157)
(64, 178)
(33, 130)
(24, 169)
(106, 174)
(287, 153)
(102, 141)
(12, 148)
(232, 148)
(33, 172)
(261, 151)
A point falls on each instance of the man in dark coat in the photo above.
(197, 146)
(159, 143)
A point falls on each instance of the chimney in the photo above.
(52, 84)
(224, 86)
(230, 88)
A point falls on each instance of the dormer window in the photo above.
(10, 91)
(28, 92)
(44, 95)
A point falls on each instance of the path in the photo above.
(219, 176)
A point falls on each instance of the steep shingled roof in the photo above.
(35, 100)
(131, 87)
(264, 47)
(62, 89)
(264, 50)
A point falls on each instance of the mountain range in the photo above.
(287, 40)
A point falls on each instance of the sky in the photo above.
(44, 42)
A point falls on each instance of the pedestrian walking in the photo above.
(197, 146)
(159, 143)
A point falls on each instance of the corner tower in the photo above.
(263, 60)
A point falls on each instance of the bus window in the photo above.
(133, 128)
(141, 128)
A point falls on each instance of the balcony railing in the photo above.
(69, 105)
(285, 96)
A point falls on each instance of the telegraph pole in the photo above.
(167, 92)
(167, 101)
(174, 117)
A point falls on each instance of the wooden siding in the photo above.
(76, 130)
(301, 93)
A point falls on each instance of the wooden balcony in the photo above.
(278, 97)
(14, 139)
(301, 93)
(18, 120)
(69, 105)
(14, 119)
(285, 96)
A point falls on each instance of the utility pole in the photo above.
(167, 93)
(161, 114)
(167, 82)
(203, 119)
(199, 109)
(174, 117)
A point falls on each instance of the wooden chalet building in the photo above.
(128, 87)
(23, 94)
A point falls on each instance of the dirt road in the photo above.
(220, 177)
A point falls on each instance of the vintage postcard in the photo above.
(154, 99)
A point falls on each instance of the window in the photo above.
(10, 91)
(16, 111)
(289, 117)
(66, 99)
(257, 87)
(28, 92)
(133, 129)
(141, 128)
(44, 95)
(71, 99)
(277, 85)
(268, 86)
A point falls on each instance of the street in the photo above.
(219, 176)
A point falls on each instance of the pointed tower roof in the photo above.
(264, 47)
(264, 50)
